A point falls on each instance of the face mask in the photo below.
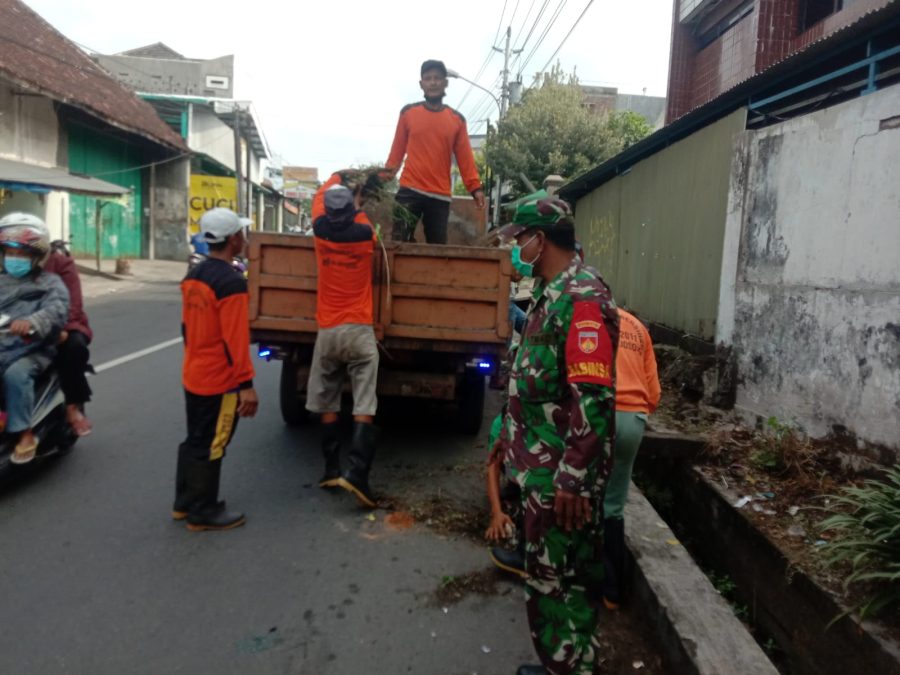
(526, 269)
(17, 267)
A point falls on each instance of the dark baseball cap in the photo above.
(433, 64)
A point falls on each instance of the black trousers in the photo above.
(71, 363)
(412, 206)
(211, 423)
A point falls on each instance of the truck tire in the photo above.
(471, 404)
(292, 400)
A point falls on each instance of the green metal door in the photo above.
(113, 160)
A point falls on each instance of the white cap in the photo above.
(21, 218)
(216, 225)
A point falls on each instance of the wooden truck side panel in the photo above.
(440, 294)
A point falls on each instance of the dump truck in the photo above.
(440, 318)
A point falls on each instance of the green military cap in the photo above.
(549, 214)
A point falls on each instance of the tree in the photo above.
(552, 132)
(459, 187)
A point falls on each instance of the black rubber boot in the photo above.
(331, 451)
(189, 485)
(210, 513)
(510, 561)
(531, 670)
(613, 561)
(356, 479)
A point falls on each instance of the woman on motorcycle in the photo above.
(39, 306)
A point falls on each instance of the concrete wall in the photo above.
(655, 232)
(211, 136)
(170, 210)
(811, 279)
(29, 128)
(170, 76)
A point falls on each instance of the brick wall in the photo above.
(698, 74)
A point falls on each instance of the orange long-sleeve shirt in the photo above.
(215, 324)
(637, 384)
(428, 138)
(344, 251)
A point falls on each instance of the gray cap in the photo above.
(216, 225)
(339, 201)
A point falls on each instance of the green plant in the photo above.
(865, 524)
(785, 450)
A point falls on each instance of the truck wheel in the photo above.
(293, 410)
(471, 404)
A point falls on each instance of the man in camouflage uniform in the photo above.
(557, 433)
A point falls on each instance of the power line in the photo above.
(487, 58)
(524, 22)
(544, 34)
(534, 25)
(577, 21)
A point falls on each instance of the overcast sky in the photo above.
(328, 79)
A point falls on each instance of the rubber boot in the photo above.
(188, 486)
(613, 561)
(331, 451)
(356, 479)
(210, 513)
(531, 670)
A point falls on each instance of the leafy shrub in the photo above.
(865, 524)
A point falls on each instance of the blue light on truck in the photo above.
(265, 353)
(484, 365)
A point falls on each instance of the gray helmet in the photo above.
(22, 218)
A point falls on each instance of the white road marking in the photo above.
(137, 355)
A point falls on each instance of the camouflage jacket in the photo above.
(559, 424)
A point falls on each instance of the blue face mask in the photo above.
(526, 269)
(17, 267)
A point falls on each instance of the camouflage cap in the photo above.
(546, 214)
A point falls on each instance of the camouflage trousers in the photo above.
(564, 571)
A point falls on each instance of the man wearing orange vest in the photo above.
(217, 373)
(637, 395)
(345, 343)
(428, 135)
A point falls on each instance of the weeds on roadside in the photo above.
(865, 529)
(785, 450)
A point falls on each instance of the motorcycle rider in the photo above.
(39, 305)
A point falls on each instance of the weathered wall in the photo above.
(815, 315)
(170, 76)
(656, 232)
(29, 128)
(211, 136)
(170, 204)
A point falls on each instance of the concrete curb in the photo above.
(696, 626)
(93, 272)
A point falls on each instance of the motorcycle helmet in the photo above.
(26, 232)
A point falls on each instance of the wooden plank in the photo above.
(282, 324)
(450, 334)
(444, 293)
(288, 282)
(435, 313)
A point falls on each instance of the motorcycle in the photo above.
(200, 253)
(48, 420)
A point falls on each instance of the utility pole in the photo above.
(504, 105)
(238, 159)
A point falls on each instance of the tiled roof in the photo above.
(36, 57)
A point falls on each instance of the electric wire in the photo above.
(543, 36)
(487, 59)
(571, 30)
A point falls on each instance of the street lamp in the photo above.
(454, 74)
(498, 179)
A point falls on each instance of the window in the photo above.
(813, 11)
(216, 82)
(717, 24)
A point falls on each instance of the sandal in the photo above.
(24, 454)
(82, 426)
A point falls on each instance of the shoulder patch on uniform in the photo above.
(589, 348)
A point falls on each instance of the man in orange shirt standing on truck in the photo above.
(217, 373)
(428, 134)
(345, 343)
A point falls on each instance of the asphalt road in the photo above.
(95, 578)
